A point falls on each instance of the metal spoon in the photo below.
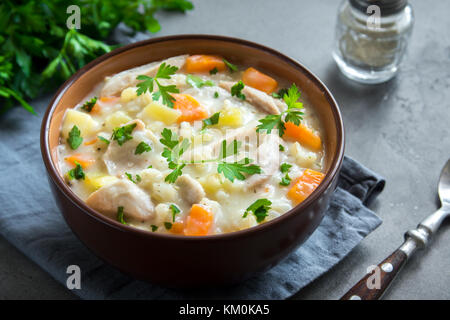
(375, 283)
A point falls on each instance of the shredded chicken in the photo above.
(191, 190)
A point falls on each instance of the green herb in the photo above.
(216, 94)
(286, 180)
(88, 105)
(292, 114)
(175, 211)
(173, 151)
(103, 139)
(130, 177)
(198, 82)
(169, 138)
(142, 147)
(149, 167)
(214, 119)
(74, 140)
(138, 178)
(120, 217)
(38, 51)
(168, 225)
(213, 71)
(259, 208)
(285, 167)
(280, 94)
(123, 134)
(154, 228)
(235, 170)
(165, 71)
(77, 172)
(281, 147)
(230, 66)
(236, 90)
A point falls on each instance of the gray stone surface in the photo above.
(399, 129)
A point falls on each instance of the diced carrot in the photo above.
(199, 221)
(83, 160)
(109, 99)
(177, 228)
(204, 63)
(305, 185)
(190, 109)
(88, 143)
(303, 135)
(258, 80)
(95, 109)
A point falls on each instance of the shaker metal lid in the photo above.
(387, 7)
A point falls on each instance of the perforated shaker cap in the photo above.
(387, 7)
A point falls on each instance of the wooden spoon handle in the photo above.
(375, 283)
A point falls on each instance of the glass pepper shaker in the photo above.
(371, 38)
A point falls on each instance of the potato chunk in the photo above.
(82, 120)
(159, 112)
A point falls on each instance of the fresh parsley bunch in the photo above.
(37, 51)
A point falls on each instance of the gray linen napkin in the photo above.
(30, 220)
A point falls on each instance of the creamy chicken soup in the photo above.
(192, 145)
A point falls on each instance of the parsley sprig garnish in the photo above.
(74, 140)
(236, 90)
(259, 208)
(123, 134)
(291, 114)
(172, 152)
(142, 147)
(165, 71)
(88, 105)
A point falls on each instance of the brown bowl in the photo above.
(182, 260)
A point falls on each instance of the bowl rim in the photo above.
(71, 196)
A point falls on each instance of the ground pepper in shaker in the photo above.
(371, 38)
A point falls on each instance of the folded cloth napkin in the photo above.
(30, 220)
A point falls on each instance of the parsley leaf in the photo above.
(169, 138)
(145, 85)
(103, 139)
(280, 94)
(259, 208)
(216, 94)
(230, 66)
(235, 170)
(168, 225)
(165, 71)
(123, 134)
(88, 105)
(154, 228)
(74, 140)
(281, 147)
(172, 153)
(173, 176)
(142, 147)
(164, 92)
(214, 119)
(130, 177)
(77, 172)
(285, 167)
(198, 82)
(120, 217)
(175, 211)
(236, 90)
(213, 71)
(286, 180)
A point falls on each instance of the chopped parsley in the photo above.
(216, 94)
(173, 151)
(123, 134)
(175, 211)
(120, 217)
(292, 114)
(213, 71)
(142, 147)
(103, 139)
(236, 90)
(284, 168)
(214, 119)
(280, 94)
(130, 177)
(77, 172)
(168, 225)
(88, 105)
(259, 208)
(281, 147)
(165, 71)
(198, 82)
(154, 228)
(230, 66)
(74, 140)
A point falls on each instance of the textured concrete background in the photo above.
(400, 129)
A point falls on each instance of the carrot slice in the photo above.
(259, 80)
(81, 159)
(199, 221)
(305, 185)
(190, 109)
(304, 135)
(177, 228)
(204, 63)
(88, 143)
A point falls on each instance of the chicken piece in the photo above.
(122, 158)
(267, 157)
(115, 84)
(190, 189)
(122, 193)
(258, 98)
